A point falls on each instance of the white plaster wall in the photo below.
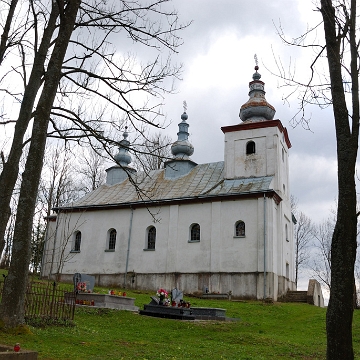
(267, 160)
(238, 164)
(237, 253)
(218, 250)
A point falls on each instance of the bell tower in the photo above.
(259, 145)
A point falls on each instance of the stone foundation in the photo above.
(242, 285)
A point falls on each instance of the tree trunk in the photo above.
(12, 304)
(10, 170)
(343, 248)
(5, 34)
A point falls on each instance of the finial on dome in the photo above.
(184, 115)
(256, 76)
(125, 133)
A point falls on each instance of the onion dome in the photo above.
(123, 157)
(256, 108)
(181, 148)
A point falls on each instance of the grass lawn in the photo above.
(261, 331)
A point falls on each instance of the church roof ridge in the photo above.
(205, 180)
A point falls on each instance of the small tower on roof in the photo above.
(256, 108)
(259, 145)
(117, 174)
(182, 149)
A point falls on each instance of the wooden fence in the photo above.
(46, 300)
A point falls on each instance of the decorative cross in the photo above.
(256, 60)
(185, 105)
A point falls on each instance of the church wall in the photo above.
(220, 261)
(262, 163)
(239, 253)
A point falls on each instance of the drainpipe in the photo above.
(264, 247)
(128, 249)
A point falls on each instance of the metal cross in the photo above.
(256, 60)
(185, 105)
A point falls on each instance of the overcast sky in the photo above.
(218, 58)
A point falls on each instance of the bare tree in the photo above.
(153, 152)
(321, 263)
(91, 72)
(102, 80)
(58, 183)
(37, 245)
(91, 169)
(342, 59)
(12, 302)
(304, 233)
(8, 40)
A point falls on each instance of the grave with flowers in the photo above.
(85, 295)
(177, 308)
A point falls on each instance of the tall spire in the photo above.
(123, 157)
(182, 148)
(120, 172)
(181, 164)
(256, 108)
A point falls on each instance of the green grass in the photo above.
(262, 331)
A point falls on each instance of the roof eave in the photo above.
(186, 200)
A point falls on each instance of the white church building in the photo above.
(216, 227)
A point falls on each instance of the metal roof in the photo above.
(203, 181)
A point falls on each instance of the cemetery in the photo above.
(84, 286)
(212, 318)
(160, 305)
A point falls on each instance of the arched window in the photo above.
(195, 232)
(112, 239)
(240, 228)
(77, 241)
(151, 238)
(250, 148)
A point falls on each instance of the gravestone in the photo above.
(154, 300)
(176, 295)
(89, 281)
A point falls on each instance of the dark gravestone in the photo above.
(154, 300)
(88, 280)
